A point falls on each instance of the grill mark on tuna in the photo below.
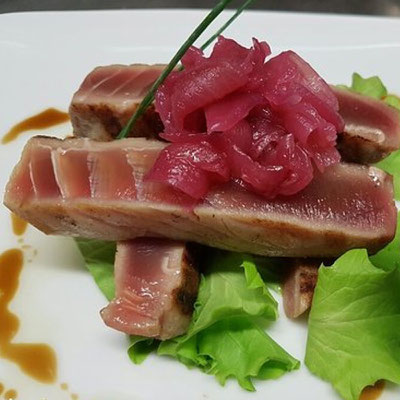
(102, 82)
(185, 296)
(299, 285)
(124, 84)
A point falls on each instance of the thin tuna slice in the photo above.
(372, 128)
(156, 286)
(108, 97)
(348, 206)
(299, 285)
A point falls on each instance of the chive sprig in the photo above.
(226, 24)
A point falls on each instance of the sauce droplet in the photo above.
(36, 360)
(18, 225)
(64, 386)
(373, 392)
(74, 396)
(10, 394)
(43, 120)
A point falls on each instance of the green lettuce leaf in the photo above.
(389, 257)
(225, 338)
(393, 101)
(232, 347)
(372, 87)
(140, 347)
(99, 259)
(273, 270)
(226, 291)
(391, 165)
(354, 325)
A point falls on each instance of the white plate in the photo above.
(43, 59)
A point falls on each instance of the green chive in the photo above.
(224, 26)
(149, 98)
(227, 23)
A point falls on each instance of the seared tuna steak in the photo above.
(98, 190)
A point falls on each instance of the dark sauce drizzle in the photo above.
(45, 119)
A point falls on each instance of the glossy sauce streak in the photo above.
(373, 392)
(36, 360)
(1, 388)
(43, 120)
(10, 394)
(18, 225)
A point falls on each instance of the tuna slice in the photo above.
(108, 97)
(156, 286)
(299, 285)
(349, 206)
(372, 128)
